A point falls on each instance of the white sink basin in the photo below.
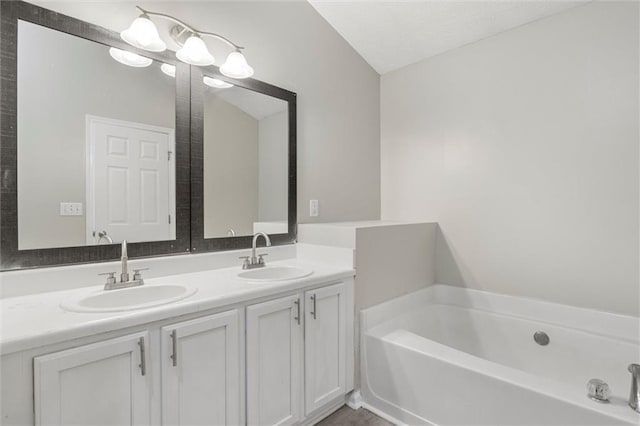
(274, 273)
(129, 299)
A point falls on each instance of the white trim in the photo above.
(90, 217)
(354, 400)
(386, 416)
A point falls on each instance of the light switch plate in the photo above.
(70, 209)
(314, 208)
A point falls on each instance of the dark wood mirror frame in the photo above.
(198, 242)
(189, 150)
(10, 256)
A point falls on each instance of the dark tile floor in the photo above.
(345, 416)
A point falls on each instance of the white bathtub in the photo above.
(451, 356)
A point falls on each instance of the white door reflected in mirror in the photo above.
(130, 190)
(126, 114)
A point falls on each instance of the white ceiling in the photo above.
(392, 34)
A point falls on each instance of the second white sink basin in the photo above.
(129, 299)
(274, 273)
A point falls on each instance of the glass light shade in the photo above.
(236, 66)
(216, 82)
(168, 69)
(143, 34)
(195, 52)
(130, 59)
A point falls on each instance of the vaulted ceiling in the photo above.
(392, 34)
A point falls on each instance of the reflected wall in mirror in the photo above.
(95, 145)
(246, 159)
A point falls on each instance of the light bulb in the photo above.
(236, 66)
(195, 52)
(216, 82)
(168, 69)
(143, 34)
(129, 58)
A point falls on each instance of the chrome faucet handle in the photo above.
(245, 264)
(598, 390)
(260, 257)
(137, 275)
(111, 277)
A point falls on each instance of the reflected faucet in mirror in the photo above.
(102, 235)
(251, 262)
(125, 282)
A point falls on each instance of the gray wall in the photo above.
(62, 78)
(230, 169)
(273, 165)
(524, 148)
(290, 45)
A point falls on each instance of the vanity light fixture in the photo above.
(236, 66)
(216, 83)
(143, 34)
(195, 52)
(168, 69)
(129, 58)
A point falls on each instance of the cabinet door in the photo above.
(325, 340)
(201, 371)
(274, 361)
(103, 383)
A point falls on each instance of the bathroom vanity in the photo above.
(235, 352)
(155, 155)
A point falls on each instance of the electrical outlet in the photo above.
(70, 209)
(314, 209)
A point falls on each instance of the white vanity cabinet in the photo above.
(201, 375)
(324, 346)
(296, 355)
(274, 362)
(104, 383)
(282, 359)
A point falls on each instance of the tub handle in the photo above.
(313, 299)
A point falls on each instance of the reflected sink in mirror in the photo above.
(274, 273)
(130, 299)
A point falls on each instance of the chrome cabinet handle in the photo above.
(313, 312)
(174, 347)
(143, 358)
(297, 317)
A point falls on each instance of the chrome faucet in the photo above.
(124, 260)
(634, 395)
(102, 235)
(251, 262)
(113, 284)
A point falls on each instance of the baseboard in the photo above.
(354, 400)
(382, 414)
(324, 412)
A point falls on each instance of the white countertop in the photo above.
(37, 320)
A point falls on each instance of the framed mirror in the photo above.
(243, 161)
(95, 143)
